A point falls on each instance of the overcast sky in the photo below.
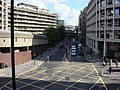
(68, 10)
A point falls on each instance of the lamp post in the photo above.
(104, 43)
(12, 46)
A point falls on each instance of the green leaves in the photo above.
(55, 35)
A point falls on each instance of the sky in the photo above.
(68, 10)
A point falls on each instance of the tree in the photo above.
(62, 32)
(53, 35)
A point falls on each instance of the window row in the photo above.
(109, 23)
(109, 12)
(108, 34)
(104, 3)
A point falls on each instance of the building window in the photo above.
(16, 39)
(117, 1)
(109, 23)
(102, 23)
(102, 3)
(117, 22)
(109, 2)
(97, 34)
(101, 34)
(97, 24)
(117, 34)
(117, 11)
(109, 11)
(108, 34)
(102, 13)
(0, 2)
(98, 4)
(24, 39)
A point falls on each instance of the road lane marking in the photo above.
(27, 85)
(45, 77)
(45, 71)
(79, 80)
(99, 76)
(94, 84)
(76, 76)
(63, 77)
(32, 74)
(39, 79)
(5, 84)
(8, 87)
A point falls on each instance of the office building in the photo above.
(102, 26)
(82, 26)
(28, 23)
(30, 18)
(3, 15)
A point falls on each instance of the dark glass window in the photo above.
(109, 2)
(117, 1)
(117, 22)
(102, 3)
(117, 10)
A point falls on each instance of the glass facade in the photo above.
(102, 3)
(117, 11)
(117, 1)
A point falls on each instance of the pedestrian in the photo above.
(110, 62)
(110, 70)
(47, 58)
(101, 74)
(103, 63)
(41, 54)
(116, 62)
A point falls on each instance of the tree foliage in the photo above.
(55, 35)
(61, 30)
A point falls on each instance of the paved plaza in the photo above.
(55, 75)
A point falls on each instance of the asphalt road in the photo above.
(56, 74)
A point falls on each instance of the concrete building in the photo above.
(82, 26)
(30, 18)
(3, 15)
(102, 26)
(60, 22)
(27, 46)
(28, 23)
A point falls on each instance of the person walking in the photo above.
(110, 62)
(110, 70)
(101, 74)
(116, 62)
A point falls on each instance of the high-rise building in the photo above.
(3, 15)
(30, 18)
(82, 26)
(102, 26)
(26, 44)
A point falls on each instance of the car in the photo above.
(73, 52)
(72, 46)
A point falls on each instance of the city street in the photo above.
(74, 74)
(57, 75)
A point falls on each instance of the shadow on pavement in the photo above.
(35, 84)
(115, 69)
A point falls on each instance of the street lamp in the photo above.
(12, 46)
(104, 43)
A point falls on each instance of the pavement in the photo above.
(112, 81)
(31, 65)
